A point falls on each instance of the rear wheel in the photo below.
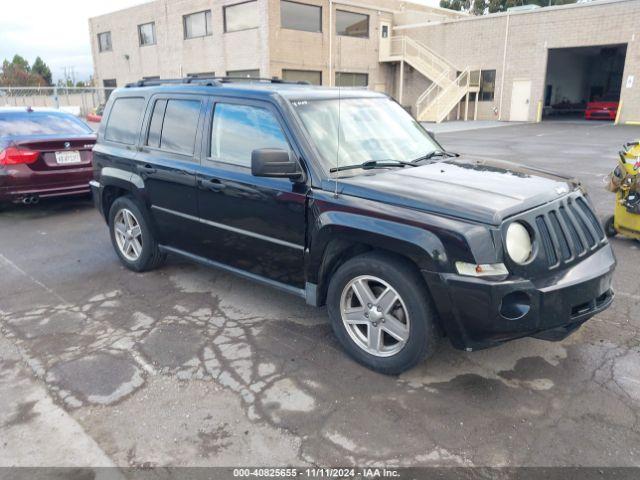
(132, 237)
(381, 312)
(609, 229)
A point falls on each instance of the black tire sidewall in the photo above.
(609, 229)
(407, 282)
(149, 244)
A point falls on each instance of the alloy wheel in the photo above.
(128, 234)
(375, 316)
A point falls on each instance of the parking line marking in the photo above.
(33, 279)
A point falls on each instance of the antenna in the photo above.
(335, 194)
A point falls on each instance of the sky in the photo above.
(58, 31)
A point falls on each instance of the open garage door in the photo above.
(584, 82)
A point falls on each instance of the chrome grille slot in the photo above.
(547, 243)
(582, 224)
(560, 235)
(578, 247)
(595, 224)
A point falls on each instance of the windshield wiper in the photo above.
(435, 153)
(370, 164)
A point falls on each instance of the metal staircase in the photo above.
(448, 87)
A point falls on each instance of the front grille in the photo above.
(569, 230)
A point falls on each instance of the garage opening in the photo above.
(584, 82)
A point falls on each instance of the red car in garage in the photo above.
(43, 153)
(605, 108)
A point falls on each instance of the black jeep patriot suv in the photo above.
(342, 198)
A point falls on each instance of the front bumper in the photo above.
(473, 310)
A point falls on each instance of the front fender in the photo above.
(423, 247)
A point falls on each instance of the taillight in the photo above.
(17, 156)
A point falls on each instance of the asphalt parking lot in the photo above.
(190, 366)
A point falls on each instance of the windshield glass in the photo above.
(375, 129)
(41, 123)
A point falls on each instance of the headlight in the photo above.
(519, 245)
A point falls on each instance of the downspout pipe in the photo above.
(504, 66)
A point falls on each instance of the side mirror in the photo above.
(273, 162)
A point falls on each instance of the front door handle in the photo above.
(213, 184)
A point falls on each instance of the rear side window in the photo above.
(41, 123)
(174, 124)
(155, 128)
(124, 120)
(240, 129)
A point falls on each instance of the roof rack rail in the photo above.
(208, 81)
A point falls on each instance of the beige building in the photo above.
(318, 41)
(521, 65)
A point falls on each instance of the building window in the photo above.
(299, 16)
(124, 120)
(241, 16)
(147, 34)
(352, 24)
(347, 79)
(310, 76)
(239, 129)
(104, 41)
(244, 73)
(109, 84)
(201, 75)
(487, 85)
(197, 24)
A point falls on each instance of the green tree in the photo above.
(21, 63)
(453, 4)
(481, 7)
(496, 6)
(17, 73)
(42, 69)
(478, 7)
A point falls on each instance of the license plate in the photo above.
(64, 158)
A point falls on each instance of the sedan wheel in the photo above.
(375, 316)
(128, 234)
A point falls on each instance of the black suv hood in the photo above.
(472, 188)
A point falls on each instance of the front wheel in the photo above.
(132, 237)
(381, 312)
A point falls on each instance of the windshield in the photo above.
(41, 123)
(371, 129)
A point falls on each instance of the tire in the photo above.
(413, 308)
(143, 253)
(609, 229)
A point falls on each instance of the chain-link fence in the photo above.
(77, 100)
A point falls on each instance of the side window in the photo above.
(240, 129)
(155, 128)
(178, 132)
(124, 121)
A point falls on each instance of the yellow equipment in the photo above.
(625, 182)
